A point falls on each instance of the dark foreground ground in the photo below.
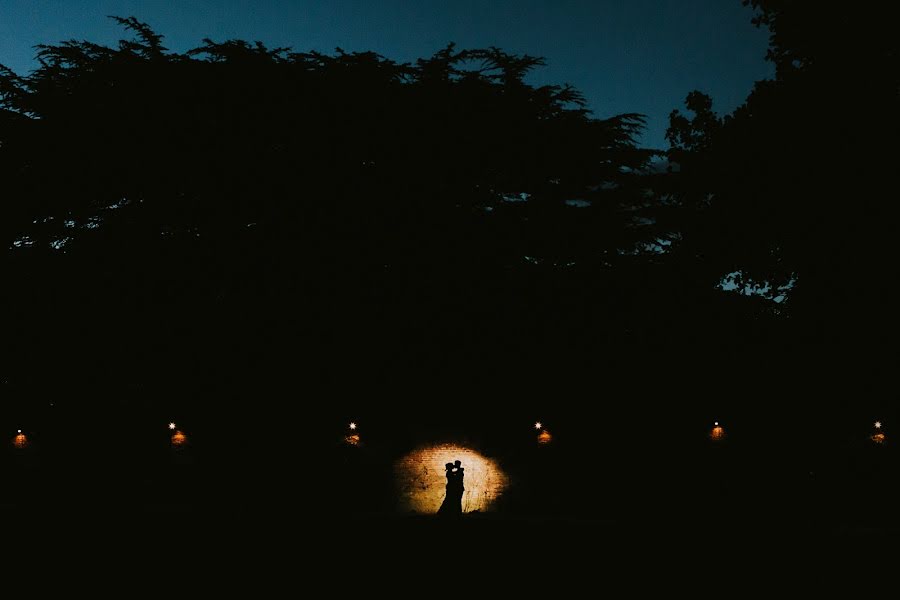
(185, 515)
(184, 533)
(270, 547)
(268, 554)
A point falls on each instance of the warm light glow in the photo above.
(20, 441)
(718, 433)
(353, 440)
(538, 425)
(877, 424)
(878, 438)
(352, 425)
(172, 426)
(179, 439)
(422, 483)
(544, 437)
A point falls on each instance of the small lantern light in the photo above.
(544, 437)
(179, 440)
(718, 432)
(21, 440)
(352, 438)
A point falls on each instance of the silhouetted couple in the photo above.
(452, 504)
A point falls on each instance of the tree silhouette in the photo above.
(799, 172)
(236, 206)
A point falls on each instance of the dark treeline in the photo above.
(239, 231)
(237, 208)
(796, 181)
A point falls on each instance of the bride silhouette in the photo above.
(452, 504)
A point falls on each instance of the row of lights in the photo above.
(353, 438)
(178, 439)
(716, 434)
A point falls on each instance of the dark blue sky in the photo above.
(625, 55)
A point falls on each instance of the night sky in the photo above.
(624, 55)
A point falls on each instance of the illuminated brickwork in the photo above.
(421, 481)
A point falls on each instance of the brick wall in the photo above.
(421, 482)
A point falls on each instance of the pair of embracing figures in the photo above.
(452, 504)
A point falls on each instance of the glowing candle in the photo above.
(879, 436)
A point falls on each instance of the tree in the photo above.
(799, 172)
(235, 209)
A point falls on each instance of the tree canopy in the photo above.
(237, 200)
(800, 174)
